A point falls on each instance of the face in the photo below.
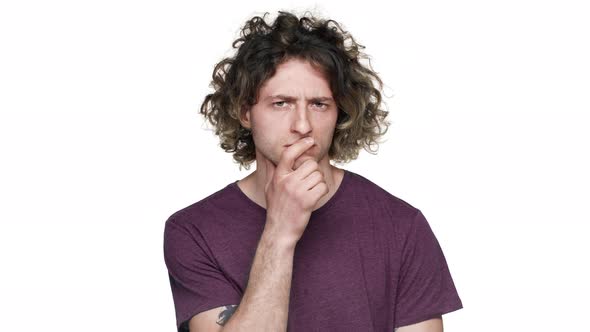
(296, 102)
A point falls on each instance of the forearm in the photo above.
(265, 304)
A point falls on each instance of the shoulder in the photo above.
(364, 189)
(200, 211)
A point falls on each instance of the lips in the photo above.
(313, 146)
(288, 145)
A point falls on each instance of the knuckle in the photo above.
(301, 200)
(314, 177)
(307, 202)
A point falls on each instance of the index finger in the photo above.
(292, 152)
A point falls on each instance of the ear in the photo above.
(245, 117)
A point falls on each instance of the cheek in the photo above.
(328, 126)
(329, 120)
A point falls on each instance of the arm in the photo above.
(264, 306)
(211, 320)
(431, 325)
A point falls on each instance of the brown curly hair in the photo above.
(323, 43)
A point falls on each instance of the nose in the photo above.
(301, 125)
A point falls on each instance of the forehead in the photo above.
(296, 77)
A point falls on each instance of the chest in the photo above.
(344, 275)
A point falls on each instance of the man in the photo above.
(299, 244)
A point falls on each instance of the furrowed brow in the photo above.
(291, 98)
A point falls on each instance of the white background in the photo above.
(101, 141)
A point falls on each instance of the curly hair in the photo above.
(261, 47)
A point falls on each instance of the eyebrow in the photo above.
(291, 98)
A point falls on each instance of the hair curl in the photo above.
(323, 43)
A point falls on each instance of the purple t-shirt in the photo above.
(367, 261)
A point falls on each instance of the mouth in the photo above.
(288, 145)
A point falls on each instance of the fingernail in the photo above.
(309, 140)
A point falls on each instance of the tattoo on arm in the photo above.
(226, 314)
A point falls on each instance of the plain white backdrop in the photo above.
(101, 140)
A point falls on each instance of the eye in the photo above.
(321, 105)
(279, 102)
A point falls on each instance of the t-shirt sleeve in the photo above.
(196, 281)
(425, 287)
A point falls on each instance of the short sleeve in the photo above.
(196, 281)
(425, 288)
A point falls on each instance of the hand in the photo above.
(292, 194)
